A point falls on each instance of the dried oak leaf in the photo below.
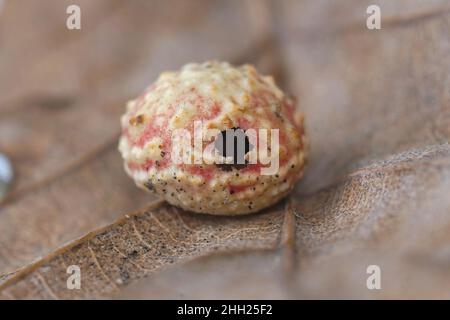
(378, 112)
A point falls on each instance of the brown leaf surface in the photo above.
(368, 94)
(78, 91)
(335, 234)
(61, 132)
(337, 237)
(377, 110)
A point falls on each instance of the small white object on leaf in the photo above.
(6, 175)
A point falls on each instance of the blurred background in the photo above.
(366, 94)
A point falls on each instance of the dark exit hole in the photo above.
(233, 143)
